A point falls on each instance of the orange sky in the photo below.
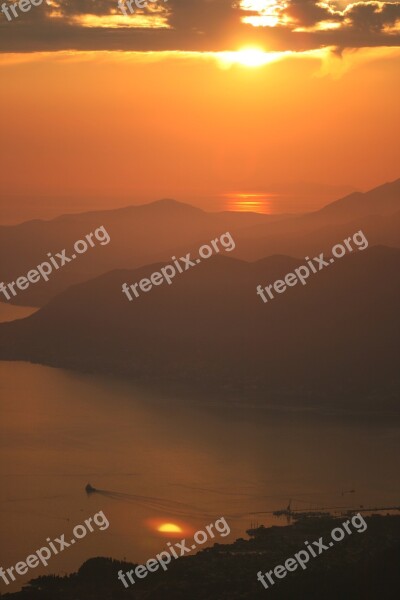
(102, 129)
(122, 125)
(89, 129)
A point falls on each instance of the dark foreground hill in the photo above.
(333, 341)
(363, 566)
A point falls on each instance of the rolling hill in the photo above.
(332, 341)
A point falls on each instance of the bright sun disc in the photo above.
(169, 528)
(252, 57)
(249, 57)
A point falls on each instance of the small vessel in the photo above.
(90, 489)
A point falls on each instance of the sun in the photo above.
(248, 57)
(252, 57)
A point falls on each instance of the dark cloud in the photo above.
(201, 25)
(372, 16)
(202, 15)
(90, 7)
(307, 12)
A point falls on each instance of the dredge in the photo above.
(344, 511)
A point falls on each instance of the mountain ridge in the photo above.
(312, 344)
(160, 230)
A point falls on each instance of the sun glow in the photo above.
(249, 57)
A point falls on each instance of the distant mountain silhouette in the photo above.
(376, 212)
(154, 232)
(332, 341)
(139, 235)
(383, 200)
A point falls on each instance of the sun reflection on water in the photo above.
(243, 202)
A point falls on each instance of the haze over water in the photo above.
(61, 430)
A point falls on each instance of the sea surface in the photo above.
(163, 459)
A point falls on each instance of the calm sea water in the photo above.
(61, 430)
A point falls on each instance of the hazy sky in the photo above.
(307, 114)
